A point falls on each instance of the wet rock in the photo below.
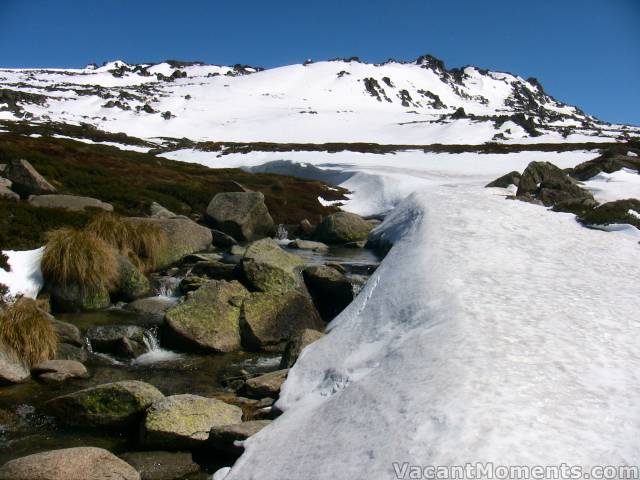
(191, 283)
(268, 268)
(216, 270)
(161, 465)
(112, 405)
(267, 385)
(54, 371)
(12, 370)
(80, 463)
(184, 236)
(343, 227)
(201, 257)
(358, 244)
(221, 239)
(68, 333)
(72, 203)
(71, 352)
(309, 245)
(184, 421)
(156, 306)
(120, 340)
(223, 438)
(73, 298)
(331, 290)
(511, 178)
(306, 228)
(243, 215)
(269, 320)
(132, 283)
(26, 179)
(296, 344)
(237, 250)
(209, 319)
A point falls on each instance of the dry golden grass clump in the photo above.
(28, 331)
(80, 257)
(142, 242)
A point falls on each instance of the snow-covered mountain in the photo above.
(415, 103)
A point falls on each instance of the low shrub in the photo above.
(141, 242)
(28, 331)
(79, 257)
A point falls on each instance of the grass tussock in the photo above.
(28, 331)
(142, 242)
(79, 257)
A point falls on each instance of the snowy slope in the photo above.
(334, 101)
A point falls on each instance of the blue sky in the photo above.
(585, 52)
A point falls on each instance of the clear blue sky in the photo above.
(585, 52)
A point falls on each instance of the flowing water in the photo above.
(25, 430)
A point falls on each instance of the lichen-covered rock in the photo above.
(184, 236)
(72, 203)
(268, 268)
(269, 320)
(26, 179)
(224, 437)
(120, 340)
(159, 465)
(330, 289)
(243, 215)
(267, 385)
(209, 319)
(158, 211)
(343, 227)
(155, 306)
(296, 344)
(112, 405)
(184, 421)
(191, 283)
(80, 463)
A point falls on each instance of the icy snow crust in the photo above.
(494, 330)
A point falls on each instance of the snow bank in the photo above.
(494, 331)
(619, 185)
(24, 277)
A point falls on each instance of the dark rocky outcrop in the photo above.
(221, 239)
(268, 320)
(26, 179)
(242, 215)
(342, 227)
(511, 178)
(80, 463)
(330, 289)
(608, 163)
(618, 212)
(208, 320)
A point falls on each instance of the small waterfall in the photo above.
(167, 286)
(155, 353)
(282, 235)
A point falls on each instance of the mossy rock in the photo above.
(269, 320)
(184, 421)
(111, 405)
(268, 268)
(208, 320)
(343, 227)
(73, 298)
(132, 283)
